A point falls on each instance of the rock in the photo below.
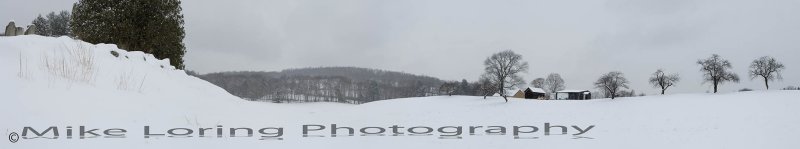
(11, 29)
(31, 30)
(20, 31)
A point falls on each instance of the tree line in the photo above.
(53, 24)
(502, 72)
(327, 84)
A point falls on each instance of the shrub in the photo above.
(74, 64)
(791, 88)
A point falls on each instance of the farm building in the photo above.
(573, 95)
(527, 93)
(515, 93)
(534, 93)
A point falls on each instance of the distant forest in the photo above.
(326, 84)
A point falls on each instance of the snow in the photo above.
(512, 92)
(538, 90)
(571, 91)
(86, 86)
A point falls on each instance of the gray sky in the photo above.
(449, 39)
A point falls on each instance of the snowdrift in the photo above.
(69, 84)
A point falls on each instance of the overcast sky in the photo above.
(449, 39)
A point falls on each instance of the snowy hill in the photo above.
(63, 82)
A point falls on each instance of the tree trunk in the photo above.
(766, 82)
(610, 93)
(715, 86)
(662, 91)
(503, 90)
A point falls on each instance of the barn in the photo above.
(527, 93)
(573, 95)
(534, 93)
(515, 93)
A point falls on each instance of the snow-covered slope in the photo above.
(63, 82)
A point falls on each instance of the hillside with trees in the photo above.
(325, 84)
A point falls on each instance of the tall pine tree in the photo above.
(151, 26)
(42, 26)
(59, 23)
(55, 25)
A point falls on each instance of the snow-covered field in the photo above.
(62, 82)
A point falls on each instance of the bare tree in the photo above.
(538, 83)
(486, 86)
(504, 67)
(715, 70)
(664, 81)
(554, 83)
(766, 67)
(611, 83)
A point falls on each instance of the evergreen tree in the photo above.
(54, 24)
(59, 24)
(464, 88)
(151, 26)
(42, 26)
